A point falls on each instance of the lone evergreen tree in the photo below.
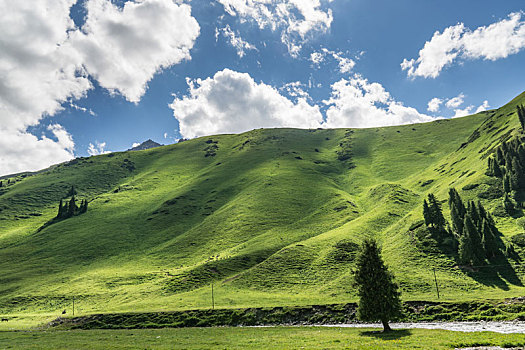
(378, 293)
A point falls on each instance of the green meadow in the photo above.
(270, 217)
(256, 338)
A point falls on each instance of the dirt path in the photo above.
(475, 326)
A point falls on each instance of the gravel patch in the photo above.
(474, 326)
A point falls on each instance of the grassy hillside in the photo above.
(270, 217)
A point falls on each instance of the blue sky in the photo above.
(105, 75)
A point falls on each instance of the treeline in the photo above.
(70, 208)
(507, 163)
(472, 234)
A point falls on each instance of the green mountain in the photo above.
(269, 217)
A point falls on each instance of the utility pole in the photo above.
(212, 298)
(436, 281)
(73, 306)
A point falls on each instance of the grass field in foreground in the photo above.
(255, 338)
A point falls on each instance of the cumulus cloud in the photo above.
(98, 148)
(232, 102)
(433, 104)
(122, 48)
(22, 151)
(357, 103)
(47, 61)
(345, 64)
(235, 40)
(458, 113)
(496, 41)
(295, 19)
(455, 101)
(483, 106)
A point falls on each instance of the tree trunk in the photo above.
(386, 326)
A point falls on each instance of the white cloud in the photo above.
(21, 151)
(82, 109)
(39, 71)
(235, 40)
(433, 104)
(316, 58)
(455, 101)
(233, 102)
(47, 61)
(345, 64)
(295, 19)
(357, 103)
(483, 107)
(458, 113)
(492, 42)
(98, 148)
(296, 89)
(122, 48)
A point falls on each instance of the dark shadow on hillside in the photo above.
(499, 273)
(392, 335)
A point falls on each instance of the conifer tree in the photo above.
(499, 156)
(465, 252)
(490, 244)
(60, 209)
(84, 206)
(379, 296)
(72, 192)
(506, 183)
(457, 220)
(470, 246)
(473, 214)
(508, 204)
(437, 220)
(72, 207)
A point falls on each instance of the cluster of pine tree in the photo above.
(508, 163)
(436, 223)
(473, 234)
(478, 237)
(432, 213)
(70, 208)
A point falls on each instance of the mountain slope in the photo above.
(271, 217)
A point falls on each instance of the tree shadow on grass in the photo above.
(499, 273)
(392, 335)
